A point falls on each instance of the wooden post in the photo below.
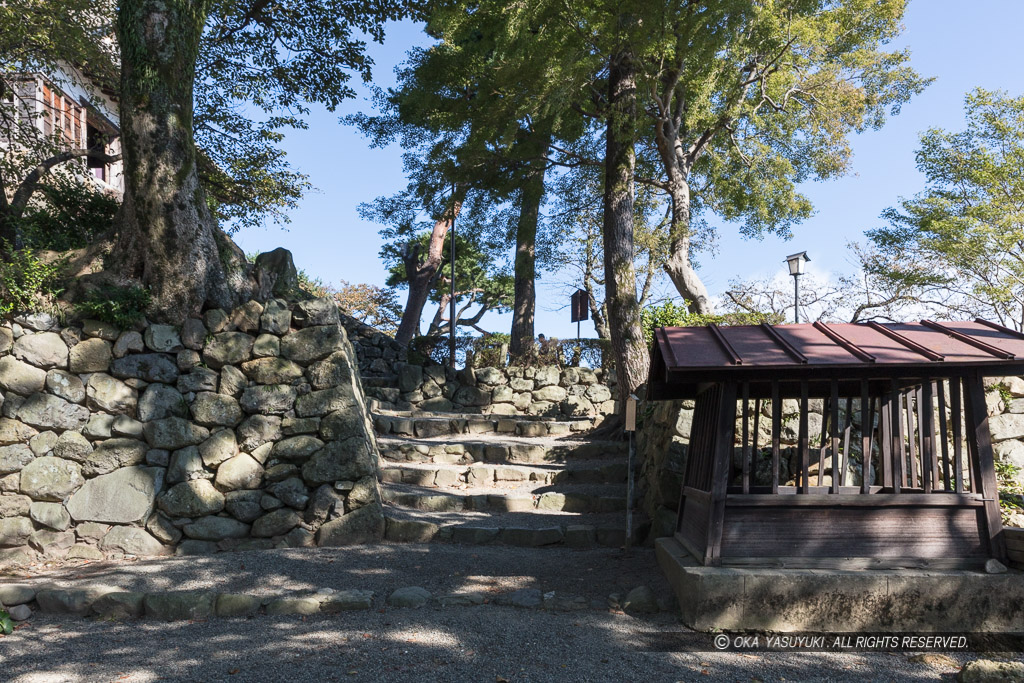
(984, 470)
(866, 426)
(805, 454)
(724, 429)
(776, 433)
(834, 419)
(898, 460)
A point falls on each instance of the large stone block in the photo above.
(114, 454)
(216, 529)
(172, 433)
(312, 312)
(340, 461)
(365, 525)
(472, 396)
(312, 343)
(219, 447)
(276, 523)
(180, 605)
(186, 464)
(52, 515)
(344, 424)
(325, 401)
(159, 401)
(132, 540)
(272, 370)
(14, 505)
(335, 370)
(276, 318)
(15, 531)
(90, 355)
(122, 497)
(162, 338)
(228, 348)
(240, 472)
(51, 479)
(150, 367)
(198, 379)
(1008, 426)
(14, 457)
(212, 410)
(192, 499)
(20, 378)
(72, 446)
(43, 350)
(269, 399)
(257, 430)
(47, 412)
(14, 432)
(111, 395)
(69, 387)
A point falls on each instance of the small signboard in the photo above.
(580, 306)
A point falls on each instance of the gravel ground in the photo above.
(485, 643)
(440, 568)
(532, 519)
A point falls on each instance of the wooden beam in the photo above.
(803, 478)
(898, 479)
(745, 447)
(867, 420)
(834, 419)
(940, 390)
(988, 487)
(725, 426)
(776, 433)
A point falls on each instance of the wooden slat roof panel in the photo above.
(942, 345)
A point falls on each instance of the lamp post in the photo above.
(796, 269)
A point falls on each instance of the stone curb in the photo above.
(111, 603)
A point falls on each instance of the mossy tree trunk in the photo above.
(168, 238)
(632, 359)
(524, 307)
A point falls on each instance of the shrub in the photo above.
(121, 306)
(71, 216)
(672, 314)
(26, 282)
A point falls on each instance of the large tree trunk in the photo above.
(167, 237)
(631, 356)
(524, 307)
(422, 274)
(678, 265)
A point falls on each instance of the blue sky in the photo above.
(962, 44)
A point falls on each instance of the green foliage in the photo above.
(672, 314)
(72, 216)
(123, 307)
(27, 283)
(6, 623)
(1011, 492)
(959, 244)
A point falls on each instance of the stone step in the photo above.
(575, 499)
(496, 450)
(479, 475)
(540, 530)
(442, 425)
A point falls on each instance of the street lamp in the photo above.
(796, 269)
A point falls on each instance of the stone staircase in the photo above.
(521, 480)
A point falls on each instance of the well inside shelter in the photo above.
(900, 472)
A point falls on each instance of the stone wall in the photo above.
(514, 390)
(246, 429)
(664, 435)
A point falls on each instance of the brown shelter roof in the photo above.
(685, 358)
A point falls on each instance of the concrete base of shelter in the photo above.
(874, 600)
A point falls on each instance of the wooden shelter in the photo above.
(901, 473)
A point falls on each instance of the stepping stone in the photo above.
(531, 537)
(347, 600)
(286, 606)
(236, 605)
(412, 597)
(526, 598)
(410, 530)
(474, 535)
(180, 605)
